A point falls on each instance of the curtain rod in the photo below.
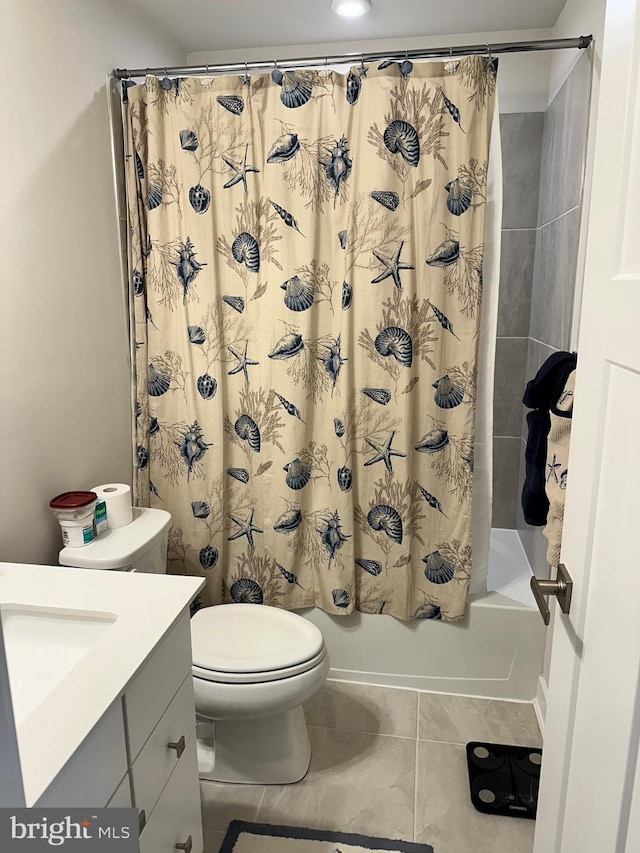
(339, 59)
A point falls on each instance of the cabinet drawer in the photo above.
(177, 815)
(96, 768)
(157, 683)
(157, 761)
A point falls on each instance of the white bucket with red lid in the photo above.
(75, 514)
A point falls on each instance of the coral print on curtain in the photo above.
(306, 278)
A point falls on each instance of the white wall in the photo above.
(578, 18)
(523, 77)
(64, 377)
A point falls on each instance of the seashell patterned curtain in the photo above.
(305, 260)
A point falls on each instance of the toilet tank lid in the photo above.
(120, 548)
(251, 638)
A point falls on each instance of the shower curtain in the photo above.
(305, 262)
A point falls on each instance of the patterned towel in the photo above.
(557, 468)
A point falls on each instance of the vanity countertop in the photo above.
(145, 607)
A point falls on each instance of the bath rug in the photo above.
(245, 837)
(504, 780)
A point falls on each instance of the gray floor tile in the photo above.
(460, 719)
(213, 840)
(364, 708)
(445, 816)
(224, 802)
(357, 782)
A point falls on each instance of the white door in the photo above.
(590, 786)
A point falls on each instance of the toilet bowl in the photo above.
(253, 666)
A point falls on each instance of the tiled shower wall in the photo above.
(521, 137)
(559, 211)
(543, 166)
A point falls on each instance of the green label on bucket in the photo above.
(87, 534)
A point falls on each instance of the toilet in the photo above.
(253, 666)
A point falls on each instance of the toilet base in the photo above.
(272, 750)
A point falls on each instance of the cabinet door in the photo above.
(177, 816)
(157, 683)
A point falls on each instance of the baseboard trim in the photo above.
(485, 688)
(540, 703)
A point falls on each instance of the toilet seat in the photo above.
(258, 677)
(253, 643)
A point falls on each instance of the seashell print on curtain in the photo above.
(305, 255)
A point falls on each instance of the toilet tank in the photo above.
(138, 547)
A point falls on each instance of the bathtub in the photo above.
(497, 651)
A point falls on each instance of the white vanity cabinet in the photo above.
(163, 767)
(142, 752)
(96, 769)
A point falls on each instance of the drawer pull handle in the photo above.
(188, 844)
(142, 820)
(179, 747)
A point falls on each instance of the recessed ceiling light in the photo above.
(351, 8)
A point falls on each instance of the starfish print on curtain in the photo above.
(305, 259)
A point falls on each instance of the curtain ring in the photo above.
(489, 54)
(207, 69)
(450, 51)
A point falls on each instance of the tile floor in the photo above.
(388, 762)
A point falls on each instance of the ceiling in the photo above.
(198, 25)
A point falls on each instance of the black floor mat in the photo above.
(503, 779)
